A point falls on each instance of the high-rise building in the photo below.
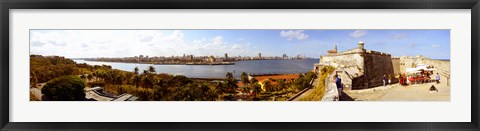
(284, 55)
(259, 55)
(226, 56)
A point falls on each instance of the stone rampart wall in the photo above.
(342, 60)
(376, 65)
(396, 65)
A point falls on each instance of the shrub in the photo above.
(65, 88)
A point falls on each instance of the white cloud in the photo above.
(400, 36)
(358, 33)
(54, 38)
(435, 45)
(127, 43)
(294, 34)
(218, 46)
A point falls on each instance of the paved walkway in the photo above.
(396, 92)
(306, 93)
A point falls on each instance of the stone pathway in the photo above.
(396, 92)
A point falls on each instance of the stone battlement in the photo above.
(358, 51)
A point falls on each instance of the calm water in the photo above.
(219, 71)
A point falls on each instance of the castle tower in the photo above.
(361, 45)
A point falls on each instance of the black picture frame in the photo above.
(6, 5)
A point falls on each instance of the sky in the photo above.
(434, 44)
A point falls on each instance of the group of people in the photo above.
(424, 77)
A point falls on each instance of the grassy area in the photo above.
(319, 90)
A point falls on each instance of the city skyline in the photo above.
(434, 44)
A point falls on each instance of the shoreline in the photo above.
(200, 77)
(189, 63)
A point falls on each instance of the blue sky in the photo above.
(434, 44)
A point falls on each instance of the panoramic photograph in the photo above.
(240, 65)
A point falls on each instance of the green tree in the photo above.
(136, 70)
(151, 69)
(137, 79)
(229, 76)
(267, 85)
(244, 78)
(149, 80)
(246, 89)
(65, 88)
(231, 82)
(83, 77)
(211, 94)
(90, 77)
(281, 84)
(257, 88)
(253, 81)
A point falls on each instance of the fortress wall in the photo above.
(343, 60)
(361, 70)
(347, 66)
(354, 50)
(396, 65)
(443, 67)
(440, 65)
(376, 65)
(410, 61)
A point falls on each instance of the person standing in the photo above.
(338, 82)
(384, 79)
(438, 78)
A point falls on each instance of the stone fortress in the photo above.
(358, 68)
(361, 69)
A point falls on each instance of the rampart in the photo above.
(359, 68)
